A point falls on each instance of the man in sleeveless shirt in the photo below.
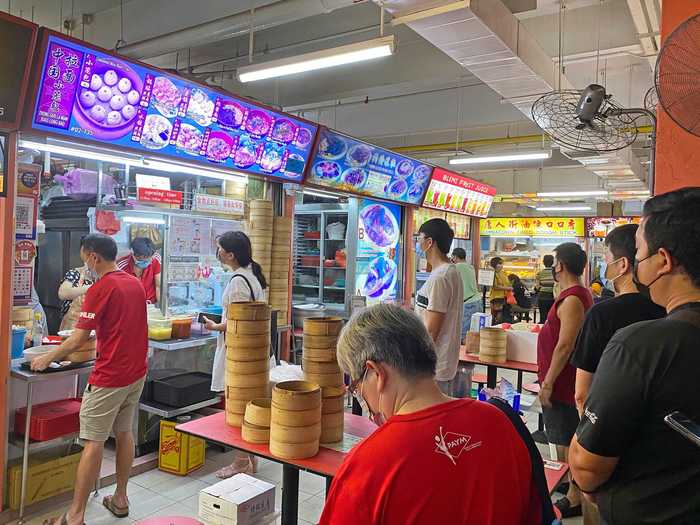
(557, 377)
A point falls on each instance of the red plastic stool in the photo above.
(480, 380)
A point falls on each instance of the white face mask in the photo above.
(376, 417)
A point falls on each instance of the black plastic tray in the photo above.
(147, 393)
(182, 389)
(27, 366)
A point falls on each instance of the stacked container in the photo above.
(256, 423)
(260, 224)
(247, 357)
(279, 275)
(295, 423)
(492, 345)
(320, 364)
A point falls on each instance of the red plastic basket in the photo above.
(50, 420)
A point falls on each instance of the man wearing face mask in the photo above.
(144, 264)
(636, 467)
(434, 460)
(439, 302)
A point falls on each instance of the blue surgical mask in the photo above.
(142, 264)
(609, 282)
(419, 250)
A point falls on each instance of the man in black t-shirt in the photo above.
(638, 469)
(605, 318)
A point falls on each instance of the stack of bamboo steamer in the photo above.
(256, 422)
(320, 364)
(247, 357)
(492, 345)
(279, 274)
(260, 225)
(295, 422)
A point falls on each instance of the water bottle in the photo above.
(37, 330)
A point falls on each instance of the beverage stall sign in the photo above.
(456, 193)
(347, 164)
(599, 227)
(532, 227)
(86, 93)
(378, 256)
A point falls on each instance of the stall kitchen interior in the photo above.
(253, 252)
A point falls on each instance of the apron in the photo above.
(218, 380)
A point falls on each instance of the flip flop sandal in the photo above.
(567, 511)
(119, 512)
(63, 520)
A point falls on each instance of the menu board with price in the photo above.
(87, 93)
(348, 164)
(456, 193)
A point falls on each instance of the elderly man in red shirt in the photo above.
(115, 308)
(144, 263)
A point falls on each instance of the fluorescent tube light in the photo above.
(564, 208)
(337, 56)
(321, 194)
(591, 193)
(130, 219)
(73, 152)
(502, 158)
(191, 170)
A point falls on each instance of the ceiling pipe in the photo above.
(266, 17)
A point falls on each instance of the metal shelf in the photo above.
(180, 344)
(36, 446)
(306, 285)
(167, 412)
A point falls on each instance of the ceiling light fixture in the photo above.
(564, 208)
(337, 56)
(502, 158)
(131, 219)
(322, 194)
(587, 193)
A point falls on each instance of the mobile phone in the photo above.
(685, 426)
(212, 317)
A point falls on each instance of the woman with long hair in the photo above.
(247, 284)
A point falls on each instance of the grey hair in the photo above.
(388, 334)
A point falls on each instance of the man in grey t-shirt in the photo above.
(439, 301)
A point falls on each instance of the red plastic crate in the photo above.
(50, 420)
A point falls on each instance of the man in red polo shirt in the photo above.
(115, 308)
(144, 263)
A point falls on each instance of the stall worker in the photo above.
(112, 310)
(626, 456)
(144, 263)
(247, 284)
(433, 459)
(497, 295)
(439, 302)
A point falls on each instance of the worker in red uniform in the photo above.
(144, 263)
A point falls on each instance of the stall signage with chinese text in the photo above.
(347, 164)
(159, 196)
(456, 193)
(601, 226)
(213, 203)
(533, 226)
(25, 252)
(86, 93)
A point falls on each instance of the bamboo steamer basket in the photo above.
(257, 412)
(81, 356)
(296, 395)
(254, 433)
(237, 327)
(331, 435)
(280, 274)
(247, 354)
(247, 367)
(248, 311)
(334, 419)
(294, 418)
(323, 326)
(333, 399)
(319, 367)
(327, 355)
(320, 341)
(236, 406)
(233, 419)
(333, 379)
(279, 284)
(258, 204)
(248, 340)
(283, 224)
(245, 394)
(260, 223)
(283, 434)
(247, 380)
(492, 345)
(294, 450)
(280, 260)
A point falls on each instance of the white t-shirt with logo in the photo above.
(443, 292)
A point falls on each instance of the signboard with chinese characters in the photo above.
(532, 227)
(87, 93)
(600, 226)
(456, 193)
(17, 41)
(347, 164)
(22, 279)
(216, 204)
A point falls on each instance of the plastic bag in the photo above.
(510, 298)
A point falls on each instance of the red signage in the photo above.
(25, 251)
(456, 193)
(159, 196)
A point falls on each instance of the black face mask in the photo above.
(643, 288)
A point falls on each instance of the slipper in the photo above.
(562, 488)
(567, 511)
(119, 512)
(63, 520)
(246, 467)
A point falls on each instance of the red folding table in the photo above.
(492, 368)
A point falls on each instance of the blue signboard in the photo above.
(378, 254)
(348, 164)
(84, 93)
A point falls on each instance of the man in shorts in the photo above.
(115, 308)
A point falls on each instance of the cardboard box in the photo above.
(239, 500)
(179, 453)
(51, 472)
(521, 346)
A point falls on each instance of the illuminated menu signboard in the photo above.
(456, 193)
(85, 93)
(350, 165)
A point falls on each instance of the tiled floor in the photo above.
(156, 493)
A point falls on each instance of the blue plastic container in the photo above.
(18, 335)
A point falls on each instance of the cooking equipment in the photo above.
(304, 311)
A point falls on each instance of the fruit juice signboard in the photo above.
(456, 193)
(532, 226)
(350, 165)
(85, 93)
(378, 255)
